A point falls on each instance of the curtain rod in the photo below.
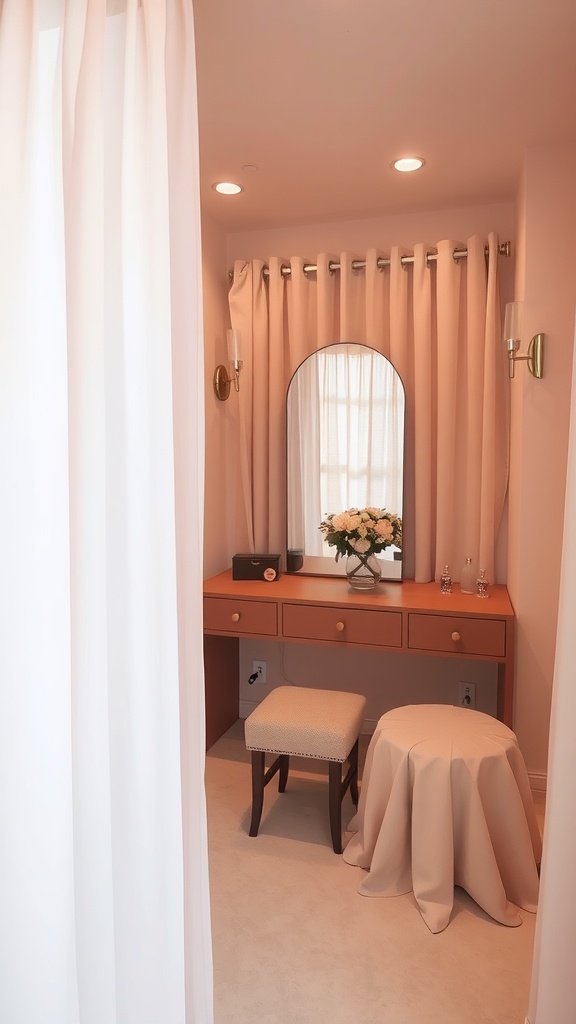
(504, 249)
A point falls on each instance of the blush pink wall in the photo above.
(544, 445)
(540, 412)
(539, 447)
(542, 228)
(222, 475)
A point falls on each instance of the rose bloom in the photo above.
(340, 522)
(352, 523)
(361, 546)
(384, 529)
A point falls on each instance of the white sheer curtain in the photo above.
(103, 873)
(439, 323)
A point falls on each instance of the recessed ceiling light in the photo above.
(227, 188)
(409, 163)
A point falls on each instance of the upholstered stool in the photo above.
(446, 801)
(298, 721)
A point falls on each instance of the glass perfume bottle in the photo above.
(482, 584)
(468, 578)
(445, 581)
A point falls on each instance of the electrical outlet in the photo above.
(467, 695)
(259, 669)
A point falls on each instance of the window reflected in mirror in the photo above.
(345, 412)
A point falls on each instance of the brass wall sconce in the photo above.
(222, 381)
(512, 331)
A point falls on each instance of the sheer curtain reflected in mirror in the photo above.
(345, 449)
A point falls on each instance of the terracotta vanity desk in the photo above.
(406, 617)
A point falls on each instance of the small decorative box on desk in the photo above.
(256, 567)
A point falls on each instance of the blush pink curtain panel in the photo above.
(439, 323)
(103, 858)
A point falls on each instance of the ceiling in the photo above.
(321, 95)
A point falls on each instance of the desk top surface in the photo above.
(394, 596)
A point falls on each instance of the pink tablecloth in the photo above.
(446, 801)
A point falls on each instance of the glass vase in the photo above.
(363, 571)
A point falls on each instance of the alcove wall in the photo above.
(539, 225)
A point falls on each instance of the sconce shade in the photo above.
(234, 348)
(513, 321)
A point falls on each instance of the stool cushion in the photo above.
(306, 722)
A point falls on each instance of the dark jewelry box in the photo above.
(256, 567)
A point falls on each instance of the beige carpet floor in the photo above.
(294, 942)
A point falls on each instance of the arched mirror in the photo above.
(345, 449)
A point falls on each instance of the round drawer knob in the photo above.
(455, 635)
(340, 626)
(236, 617)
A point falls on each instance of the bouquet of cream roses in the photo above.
(363, 531)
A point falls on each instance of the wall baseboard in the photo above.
(246, 707)
(538, 781)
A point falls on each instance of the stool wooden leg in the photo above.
(335, 802)
(257, 790)
(283, 772)
(353, 761)
(261, 778)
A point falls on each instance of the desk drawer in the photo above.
(455, 635)
(342, 625)
(228, 615)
